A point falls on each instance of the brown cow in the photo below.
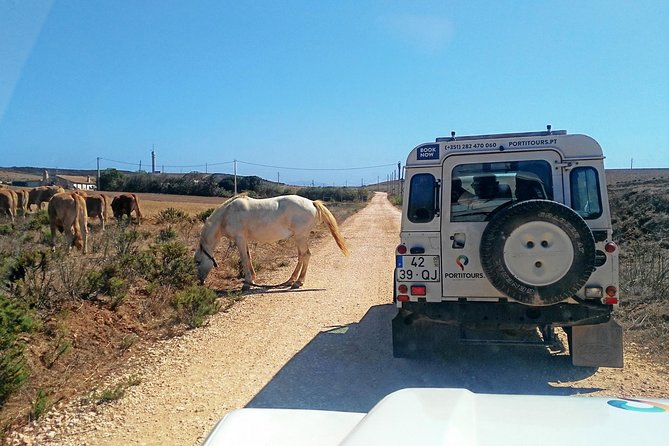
(8, 203)
(124, 204)
(22, 202)
(67, 213)
(42, 194)
(96, 206)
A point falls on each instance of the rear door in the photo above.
(475, 187)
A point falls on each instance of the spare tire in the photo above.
(538, 252)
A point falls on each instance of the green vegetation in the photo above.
(172, 216)
(340, 194)
(14, 320)
(40, 404)
(640, 214)
(194, 304)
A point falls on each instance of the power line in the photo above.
(313, 168)
(206, 165)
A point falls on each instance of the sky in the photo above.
(336, 92)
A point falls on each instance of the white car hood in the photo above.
(455, 417)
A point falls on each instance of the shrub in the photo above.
(6, 229)
(39, 220)
(172, 265)
(204, 215)
(33, 278)
(172, 215)
(108, 280)
(40, 405)
(166, 234)
(194, 304)
(14, 319)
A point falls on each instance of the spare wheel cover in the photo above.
(538, 252)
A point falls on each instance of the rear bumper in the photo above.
(507, 314)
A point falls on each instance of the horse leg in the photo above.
(243, 248)
(251, 269)
(295, 273)
(303, 254)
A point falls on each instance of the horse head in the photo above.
(205, 262)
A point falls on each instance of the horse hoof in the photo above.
(246, 287)
(296, 285)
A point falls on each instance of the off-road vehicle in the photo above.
(507, 232)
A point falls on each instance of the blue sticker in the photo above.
(428, 152)
(398, 261)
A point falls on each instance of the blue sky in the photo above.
(323, 84)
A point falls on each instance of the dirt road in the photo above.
(327, 346)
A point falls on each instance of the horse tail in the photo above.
(326, 216)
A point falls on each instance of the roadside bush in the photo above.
(39, 220)
(6, 229)
(33, 279)
(204, 215)
(172, 265)
(14, 319)
(166, 234)
(329, 193)
(194, 304)
(172, 216)
(107, 281)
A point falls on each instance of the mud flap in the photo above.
(598, 345)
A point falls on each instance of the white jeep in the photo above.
(508, 231)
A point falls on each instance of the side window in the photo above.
(422, 207)
(585, 196)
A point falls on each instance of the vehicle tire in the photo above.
(538, 252)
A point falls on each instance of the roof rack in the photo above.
(547, 132)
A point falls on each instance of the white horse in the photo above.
(244, 219)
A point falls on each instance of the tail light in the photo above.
(611, 291)
(418, 290)
(610, 247)
(403, 298)
(401, 249)
(402, 289)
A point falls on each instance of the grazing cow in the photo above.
(8, 203)
(124, 204)
(96, 206)
(22, 202)
(42, 194)
(67, 213)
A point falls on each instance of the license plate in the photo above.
(417, 268)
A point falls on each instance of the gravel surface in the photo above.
(327, 346)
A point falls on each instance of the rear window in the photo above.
(480, 189)
(586, 199)
(422, 198)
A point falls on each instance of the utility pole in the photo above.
(205, 168)
(97, 176)
(140, 165)
(632, 163)
(153, 159)
(278, 178)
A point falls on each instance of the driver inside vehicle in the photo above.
(486, 187)
(459, 193)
